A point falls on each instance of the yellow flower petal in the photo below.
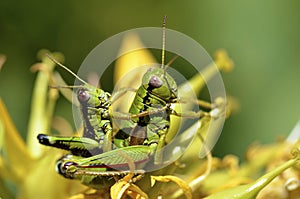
(135, 192)
(66, 92)
(195, 85)
(127, 63)
(251, 190)
(133, 59)
(42, 104)
(91, 194)
(62, 126)
(169, 178)
(1, 133)
(2, 60)
(42, 181)
(123, 188)
(17, 154)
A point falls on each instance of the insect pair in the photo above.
(104, 151)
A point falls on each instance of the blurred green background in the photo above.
(262, 37)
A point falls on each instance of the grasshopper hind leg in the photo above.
(80, 146)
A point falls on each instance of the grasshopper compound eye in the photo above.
(83, 95)
(155, 82)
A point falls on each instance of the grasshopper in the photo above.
(100, 171)
(94, 105)
(151, 108)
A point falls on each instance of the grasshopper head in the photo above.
(91, 96)
(160, 83)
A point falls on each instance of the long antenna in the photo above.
(64, 67)
(66, 86)
(163, 52)
(163, 42)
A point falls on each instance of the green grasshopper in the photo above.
(151, 108)
(94, 105)
(100, 170)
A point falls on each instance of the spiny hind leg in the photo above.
(76, 145)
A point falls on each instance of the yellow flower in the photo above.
(28, 166)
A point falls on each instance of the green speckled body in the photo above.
(94, 106)
(95, 113)
(158, 90)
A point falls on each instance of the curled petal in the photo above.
(169, 178)
(122, 187)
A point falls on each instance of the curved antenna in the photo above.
(64, 67)
(66, 86)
